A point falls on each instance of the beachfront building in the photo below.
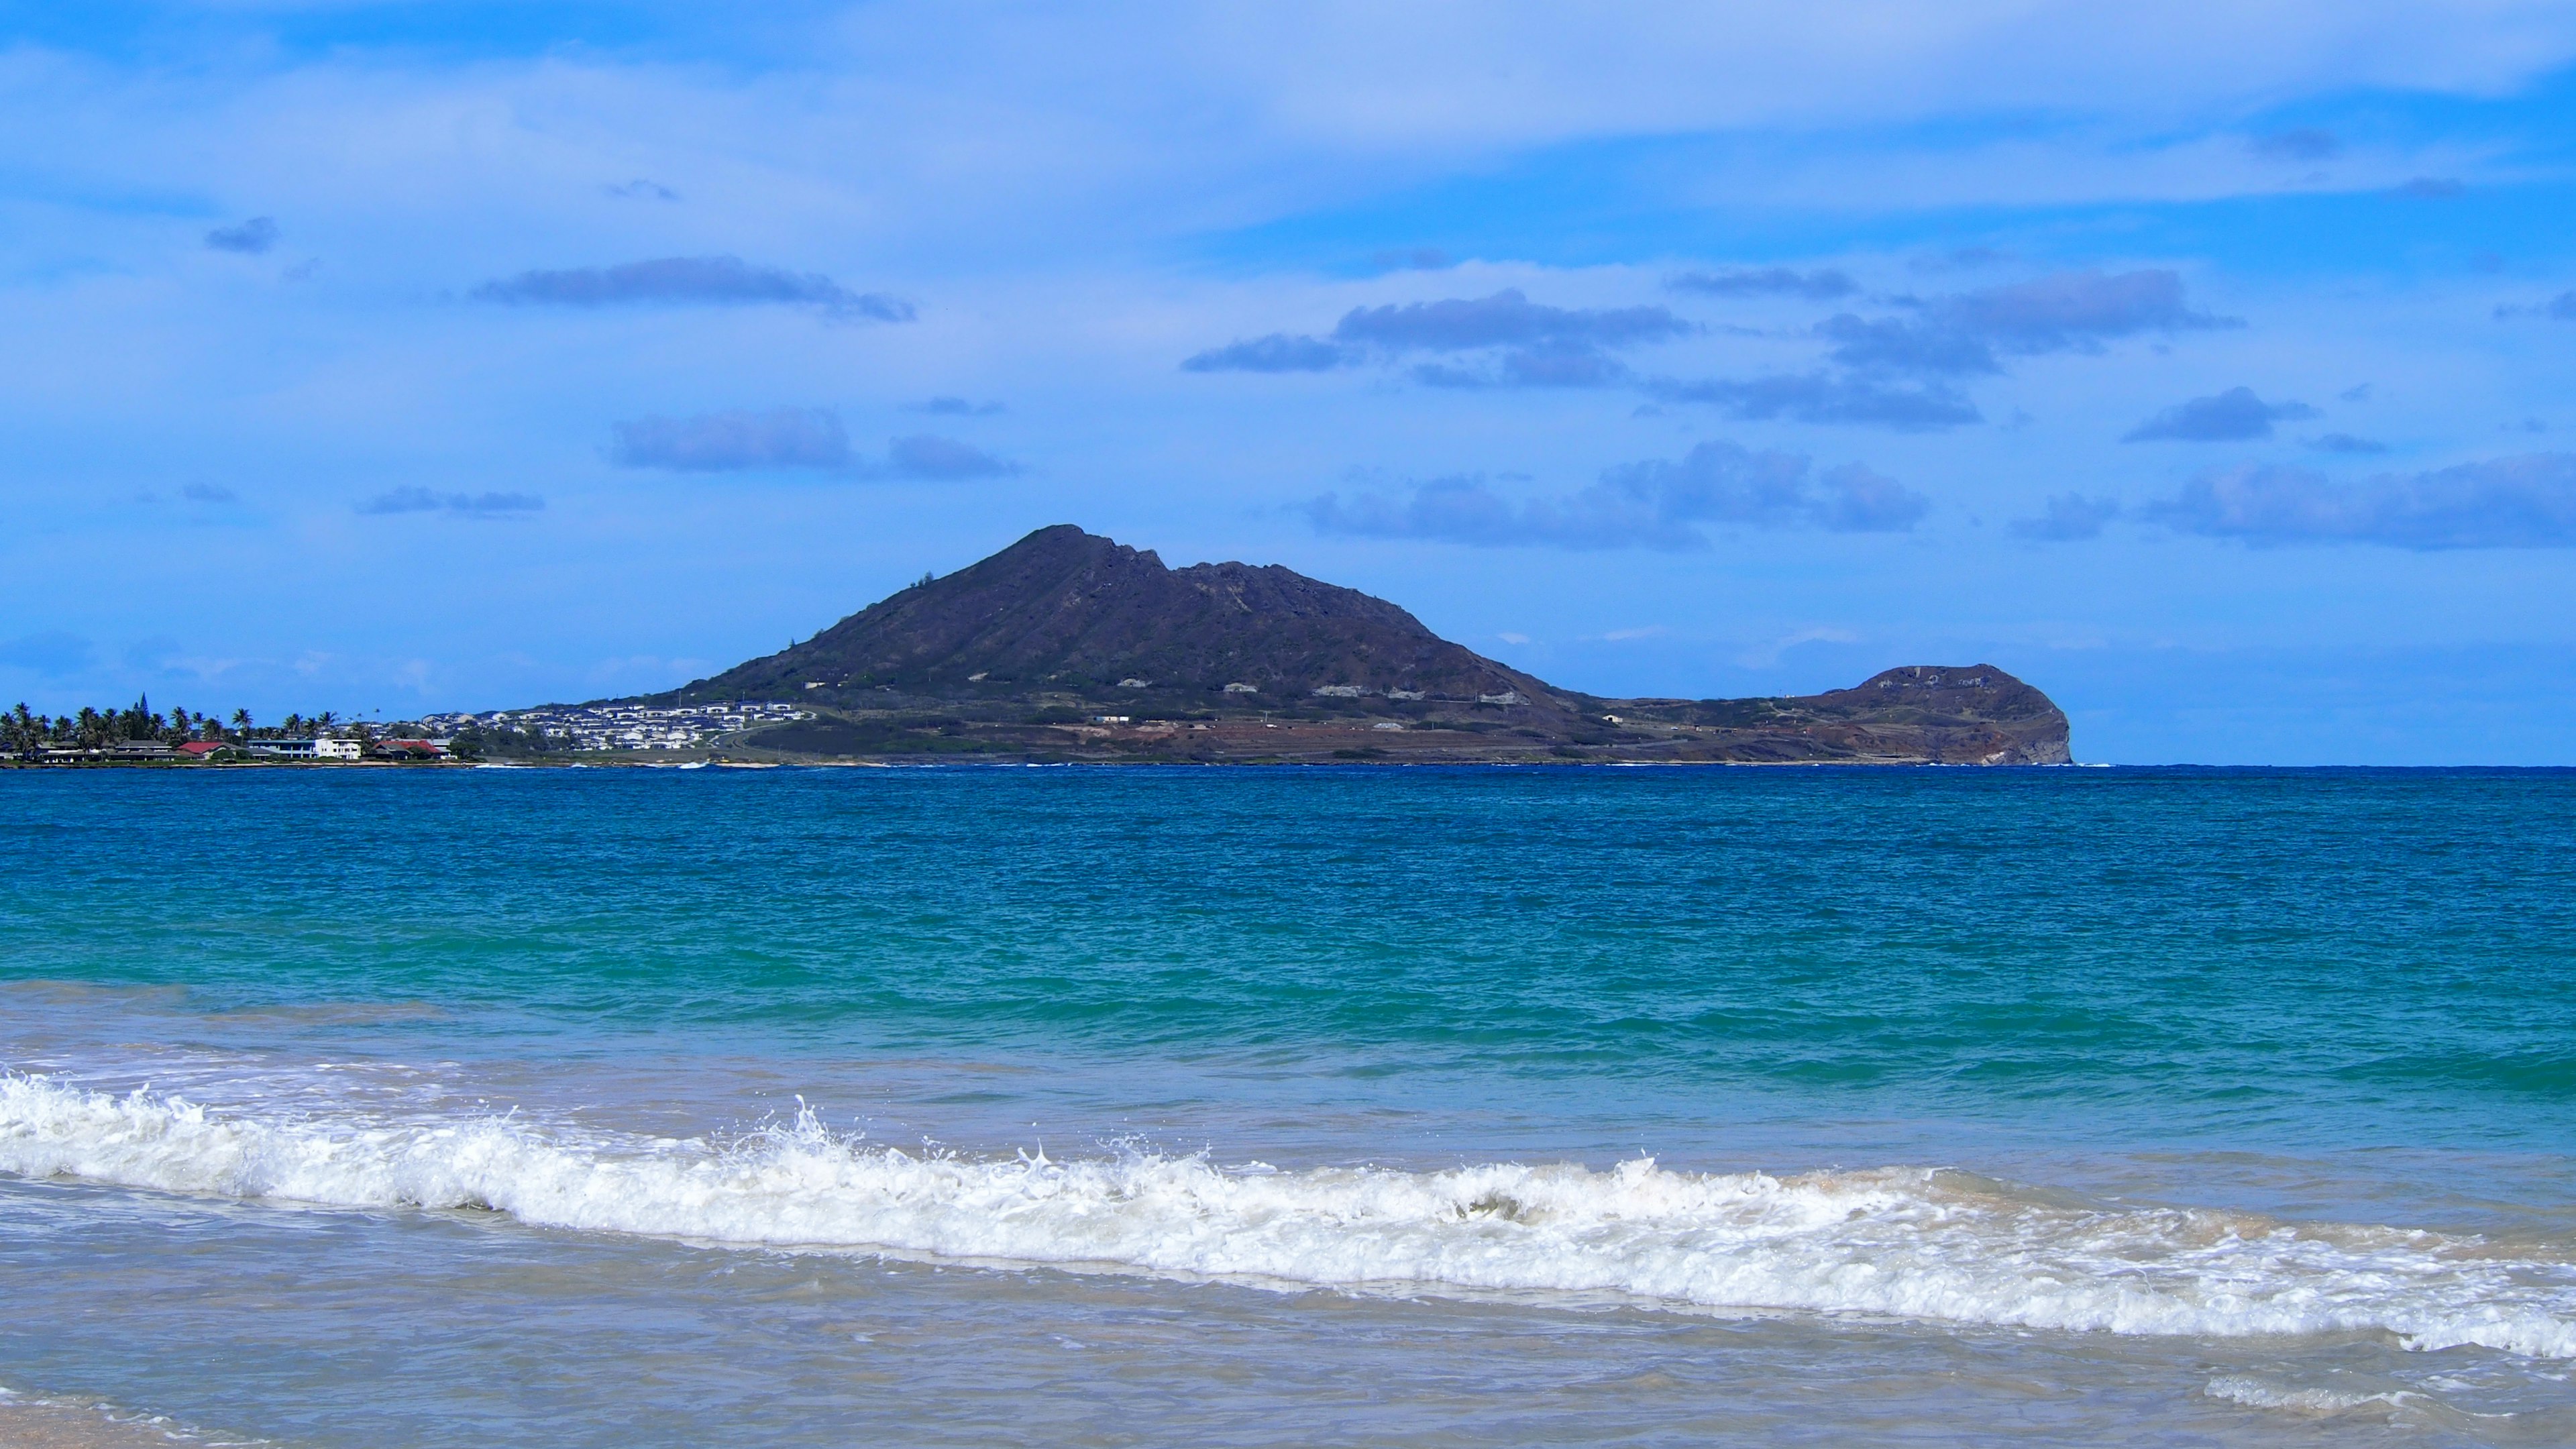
(411, 749)
(283, 749)
(139, 750)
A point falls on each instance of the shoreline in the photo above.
(933, 762)
(36, 1422)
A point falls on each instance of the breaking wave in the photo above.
(2255, 1393)
(1902, 1242)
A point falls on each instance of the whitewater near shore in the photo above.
(1905, 1242)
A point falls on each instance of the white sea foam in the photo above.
(2255, 1393)
(36, 1420)
(1907, 1242)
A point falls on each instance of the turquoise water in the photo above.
(1983, 1106)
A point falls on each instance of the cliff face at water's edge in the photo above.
(1068, 645)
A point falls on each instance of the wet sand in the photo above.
(33, 1424)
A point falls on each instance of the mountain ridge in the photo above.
(1069, 644)
(1073, 611)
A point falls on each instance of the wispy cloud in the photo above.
(2346, 443)
(2432, 188)
(1656, 504)
(924, 455)
(1412, 259)
(721, 281)
(53, 653)
(954, 407)
(2304, 143)
(2561, 308)
(1766, 655)
(1966, 332)
(1960, 259)
(1277, 352)
(156, 653)
(254, 236)
(1905, 345)
(1559, 366)
(2233, 416)
(1852, 499)
(640, 189)
(209, 493)
(1885, 371)
(1536, 345)
(2519, 502)
(1829, 399)
(790, 438)
(2067, 517)
(733, 441)
(1822, 285)
(1898, 371)
(473, 505)
(1507, 318)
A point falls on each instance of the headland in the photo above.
(1067, 646)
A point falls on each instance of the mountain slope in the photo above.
(1012, 656)
(1066, 612)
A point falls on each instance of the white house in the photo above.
(287, 749)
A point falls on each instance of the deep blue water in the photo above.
(2354, 958)
(2332, 996)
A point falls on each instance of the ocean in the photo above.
(1143, 1106)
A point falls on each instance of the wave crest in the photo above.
(2256, 1393)
(1901, 1242)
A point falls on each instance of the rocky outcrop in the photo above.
(1971, 715)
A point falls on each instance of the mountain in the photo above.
(1064, 611)
(1067, 644)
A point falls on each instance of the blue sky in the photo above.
(2207, 366)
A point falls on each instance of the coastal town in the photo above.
(140, 734)
(604, 727)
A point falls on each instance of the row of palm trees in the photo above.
(22, 731)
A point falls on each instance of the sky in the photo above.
(2207, 366)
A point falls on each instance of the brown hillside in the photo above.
(1067, 645)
